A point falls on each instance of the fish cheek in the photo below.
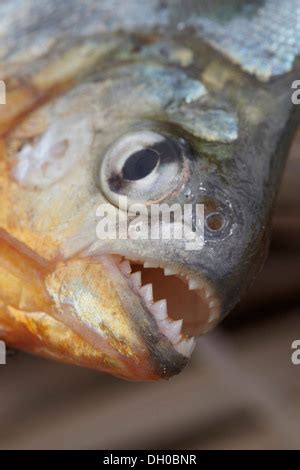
(53, 154)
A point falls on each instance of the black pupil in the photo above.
(140, 164)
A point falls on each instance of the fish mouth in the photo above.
(134, 318)
(182, 303)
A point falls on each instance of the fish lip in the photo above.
(168, 358)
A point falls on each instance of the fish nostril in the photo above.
(215, 221)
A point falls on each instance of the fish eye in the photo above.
(145, 166)
(140, 164)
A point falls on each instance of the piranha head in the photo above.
(128, 305)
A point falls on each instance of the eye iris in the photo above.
(140, 164)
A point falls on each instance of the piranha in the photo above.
(159, 102)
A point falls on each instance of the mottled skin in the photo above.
(101, 69)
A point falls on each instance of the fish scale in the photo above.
(271, 43)
(268, 49)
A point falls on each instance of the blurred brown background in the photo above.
(241, 389)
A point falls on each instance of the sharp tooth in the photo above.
(186, 347)
(213, 315)
(159, 309)
(147, 292)
(164, 326)
(169, 271)
(194, 284)
(150, 264)
(125, 267)
(208, 293)
(136, 279)
(213, 303)
(172, 329)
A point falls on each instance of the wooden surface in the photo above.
(240, 390)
